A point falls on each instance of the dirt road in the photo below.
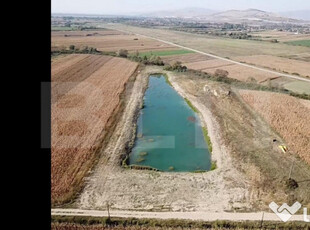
(203, 216)
(221, 58)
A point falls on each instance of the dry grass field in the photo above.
(287, 115)
(91, 86)
(243, 73)
(282, 36)
(278, 64)
(108, 40)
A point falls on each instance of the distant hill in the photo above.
(298, 14)
(250, 16)
(182, 13)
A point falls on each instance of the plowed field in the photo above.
(90, 88)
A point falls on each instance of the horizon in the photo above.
(132, 7)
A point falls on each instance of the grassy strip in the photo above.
(165, 53)
(191, 105)
(213, 166)
(207, 138)
(176, 223)
(305, 43)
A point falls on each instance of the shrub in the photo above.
(123, 53)
(221, 73)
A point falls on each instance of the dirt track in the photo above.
(203, 216)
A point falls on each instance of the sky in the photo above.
(132, 6)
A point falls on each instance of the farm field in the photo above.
(300, 43)
(281, 36)
(298, 86)
(107, 40)
(277, 63)
(243, 73)
(223, 47)
(186, 58)
(166, 53)
(287, 115)
(86, 93)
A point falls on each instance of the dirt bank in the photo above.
(125, 189)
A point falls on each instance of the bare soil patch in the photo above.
(278, 63)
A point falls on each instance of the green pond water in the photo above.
(169, 133)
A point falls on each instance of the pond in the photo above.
(169, 132)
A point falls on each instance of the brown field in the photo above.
(277, 63)
(282, 36)
(186, 58)
(209, 64)
(243, 73)
(287, 115)
(81, 116)
(69, 71)
(109, 40)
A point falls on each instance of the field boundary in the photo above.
(218, 57)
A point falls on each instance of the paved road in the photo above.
(203, 216)
(221, 58)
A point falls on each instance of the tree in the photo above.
(123, 53)
(221, 73)
(72, 47)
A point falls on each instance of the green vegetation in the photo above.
(171, 168)
(191, 105)
(140, 159)
(302, 96)
(299, 43)
(72, 49)
(175, 223)
(146, 60)
(207, 138)
(176, 66)
(213, 165)
(165, 53)
(142, 154)
(63, 28)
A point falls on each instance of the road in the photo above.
(202, 216)
(221, 58)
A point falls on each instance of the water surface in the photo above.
(169, 134)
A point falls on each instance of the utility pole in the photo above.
(289, 177)
(108, 206)
(262, 221)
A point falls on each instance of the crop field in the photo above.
(107, 40)
(224, 47)
(287, 115)
(209, 64)
(186, 58)
(299, 43)
(278, 63)
(166, 53)
(298, 86)
(85, 93)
